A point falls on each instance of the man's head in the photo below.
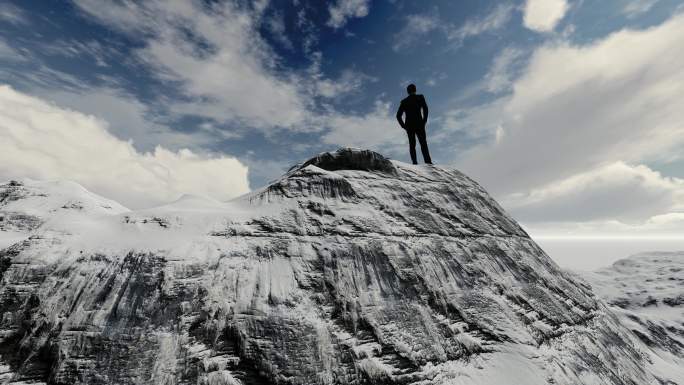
(411, 89)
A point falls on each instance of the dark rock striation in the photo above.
(350, 269)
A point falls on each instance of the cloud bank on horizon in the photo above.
(43, 141)
(569, 111)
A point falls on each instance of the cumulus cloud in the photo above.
(126, 117)
(620, 192)
(343, 10)
(566, 145)
(544, 15)
(575, 108)
(145, 124)
(43, 141)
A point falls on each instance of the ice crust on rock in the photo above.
(350, 269)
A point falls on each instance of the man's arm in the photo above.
(425, 109)
(400, 112)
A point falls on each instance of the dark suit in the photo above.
(416, 110)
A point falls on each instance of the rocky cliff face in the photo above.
(350, 269)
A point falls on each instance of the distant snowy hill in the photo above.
(350, 269)
(27, 205)
(646, 291)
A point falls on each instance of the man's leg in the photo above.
(422, 138)
(412, 145)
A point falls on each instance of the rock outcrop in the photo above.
(350, 269)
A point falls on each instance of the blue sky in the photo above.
(566, 110)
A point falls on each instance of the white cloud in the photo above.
(343, 10)
(221, 57)
(349, 81)
(12, 14)
(417, 26)
(308, 31)
(637, 7)
(131, 120)
(578, 107)
(544, 15)
(616, 201)
(91, 49)
(422, 23)
(42, 77)
(561, 142)
(500, 75)
(493, 21)
(146, 125)
(276, 25)
(127, 117)
(43, 141)
(472, 124)
(666, 226)
(630, 194)
(499, 79)
(224, 69)
(225, 72)
(436, 78)
(8, 53)
(377, 129)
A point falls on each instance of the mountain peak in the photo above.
(351, 159)
(350, 269)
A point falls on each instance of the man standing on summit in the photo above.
(416, 110)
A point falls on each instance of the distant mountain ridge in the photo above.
(350, 269)
(646, 291)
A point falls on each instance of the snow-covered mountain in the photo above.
(27, 205)
(350, 269)
(646, 291)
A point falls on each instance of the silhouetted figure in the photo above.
(416, 111)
